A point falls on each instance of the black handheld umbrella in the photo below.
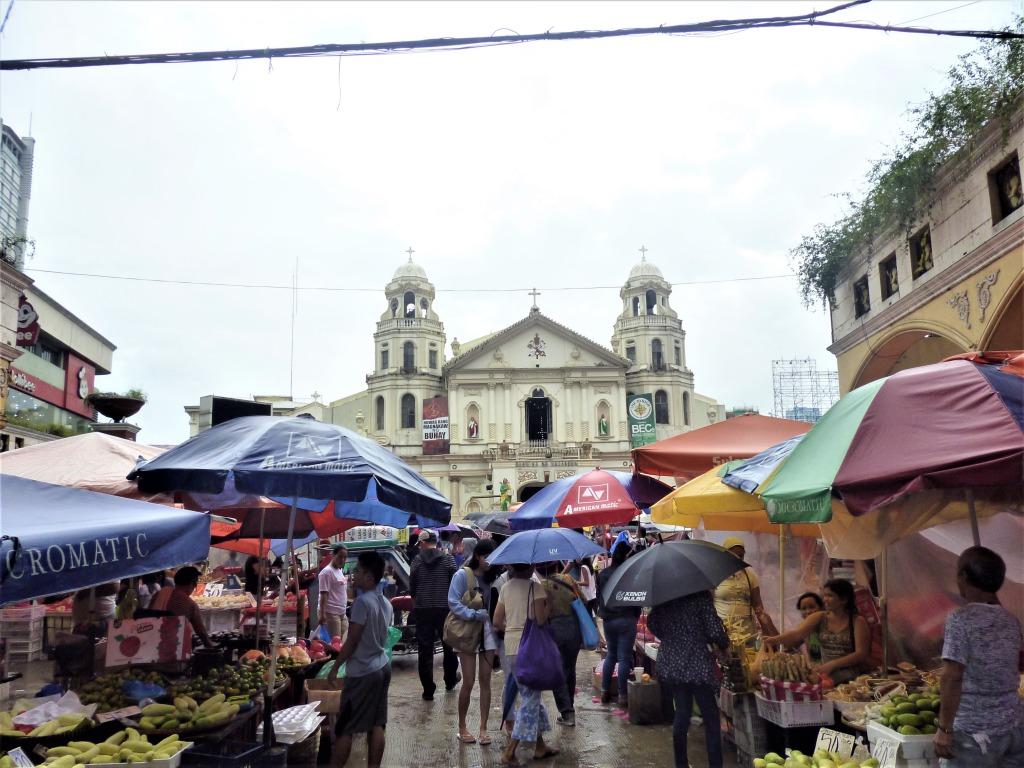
(669, 571)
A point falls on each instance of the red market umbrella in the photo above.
(693, 453)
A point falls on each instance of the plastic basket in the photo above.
(783, 690)
(749, 731)
(235, 754)
(795, 714)
(912, 748)
(31, 629)
(22, 613)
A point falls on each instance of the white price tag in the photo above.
(213, 589)
(885, 751)
(20, 759)
(117, 714)
(834, 741)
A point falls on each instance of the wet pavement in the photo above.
(422, 734)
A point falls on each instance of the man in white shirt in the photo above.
(333, 597)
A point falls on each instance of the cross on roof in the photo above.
(535, 293)
(643, 253)
(410, 251)
(316, 397)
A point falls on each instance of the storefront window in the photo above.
(24, 410)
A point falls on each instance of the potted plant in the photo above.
(116, 406)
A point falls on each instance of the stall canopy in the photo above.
(693, 453)
(55, 539)
(92, 462)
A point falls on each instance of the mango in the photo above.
(909, 730)
(913, 720)
(760, 762)
(929, 729)
(774, 758)
(906, 708)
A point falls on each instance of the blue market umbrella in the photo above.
(57, 539)
(668, 571)
(637, 491)
(748, 474)
(304, 463)
(544, 545)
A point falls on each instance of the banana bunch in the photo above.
(792, 667)
(128, 746)
(186, 713)
(63, 724)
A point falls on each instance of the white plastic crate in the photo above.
(795, 714)
(31, 629)
(22, 613)
(913, 750)
(22, 651)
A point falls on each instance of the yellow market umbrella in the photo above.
(707, 501)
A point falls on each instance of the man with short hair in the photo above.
(981, 719)
(333, 597)
(177, 600)
(431, 575)
(364, 697)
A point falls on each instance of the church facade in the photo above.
(526, 405)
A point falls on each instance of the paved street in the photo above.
(423, 733)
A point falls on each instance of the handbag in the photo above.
(462, 635)
(538, 662)
(588, 629)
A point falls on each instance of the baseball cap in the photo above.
(338, 547)
(733, 541)
(428, 536)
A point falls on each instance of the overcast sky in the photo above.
(547, 164)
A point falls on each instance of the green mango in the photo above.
(929, 729)
(907, 708)
(774, 758)
(913, 720)
(909, 730)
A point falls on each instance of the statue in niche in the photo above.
(473, 428)
(602, 426)
(504, 494)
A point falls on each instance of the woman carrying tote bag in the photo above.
(522, 599)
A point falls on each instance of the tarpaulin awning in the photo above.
(55, 539)
(695, 452)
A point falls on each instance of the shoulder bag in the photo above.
(538, 663)
(463, 635)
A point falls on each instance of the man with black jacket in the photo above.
(432, 572)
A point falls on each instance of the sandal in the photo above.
(484, 739)
(548, 752)
(470, 739)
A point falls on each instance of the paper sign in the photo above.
(213, 589)
(117, 714)
(149, 641)
(842, 744)
(20, 759)
(885, 751)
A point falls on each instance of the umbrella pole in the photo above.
(280, 601)
(884, 603)
(259, 580)
(782, 578)
(974, 517)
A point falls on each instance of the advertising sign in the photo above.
(148, 641)
(436, 437)
(640, 414)
(28, 323)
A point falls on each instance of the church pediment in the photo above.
(536, 341)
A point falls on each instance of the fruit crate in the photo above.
(24, 651)
(22, 613)
(912, 749)
(749, 731)
(17, 629)
(795, 714)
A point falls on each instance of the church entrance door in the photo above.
(538, 417)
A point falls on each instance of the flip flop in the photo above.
(466, 739)
(549, 752)
(484, 740)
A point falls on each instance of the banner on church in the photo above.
(436, 437)
(640, 414)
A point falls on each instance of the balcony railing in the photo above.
(400, 323)
(653, 321)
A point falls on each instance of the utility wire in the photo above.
(351, 289)
(462, 43)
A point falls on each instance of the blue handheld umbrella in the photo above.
(57, 539)
(544, 545)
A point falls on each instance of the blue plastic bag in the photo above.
(588, 629)
(323, 635)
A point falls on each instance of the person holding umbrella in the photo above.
(619, 631)
(686, 627)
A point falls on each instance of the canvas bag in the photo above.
(462, 635)
(538, 663)
(588, 629)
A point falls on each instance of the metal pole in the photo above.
(782, 578)
(280, 601)
(259, 579)
(883, 601)
(974, 517)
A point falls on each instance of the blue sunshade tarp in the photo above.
(58, 539)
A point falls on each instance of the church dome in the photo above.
(645, 269)
(410, 269)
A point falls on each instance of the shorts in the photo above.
(490, 639)
(364, 703)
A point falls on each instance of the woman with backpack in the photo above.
(468, 582)
(562, 591)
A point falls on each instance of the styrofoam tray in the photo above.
(171, 762)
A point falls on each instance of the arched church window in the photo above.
(661, 407)
(410, 304)
(394, 307)
(408, 357)
(385, 359)
(678, 351)
(636, 306)
(408, 411)
(686, 408)
(378, 413)
(473, 422)
(631, 352)
(424, 307)
(652, 301)
(657, 356)
(538, 392)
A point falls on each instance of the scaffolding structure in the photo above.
(802, 392)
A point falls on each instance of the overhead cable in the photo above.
(463, 43)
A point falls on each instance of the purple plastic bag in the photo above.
(538, 663)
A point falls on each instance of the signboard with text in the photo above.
(640, 413)
(436, 437)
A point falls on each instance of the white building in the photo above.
(531, 403)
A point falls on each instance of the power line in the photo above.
(463, 43)
(353, 289)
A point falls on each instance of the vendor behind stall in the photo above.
(738, 600)
(177, 600)
(92, 609)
